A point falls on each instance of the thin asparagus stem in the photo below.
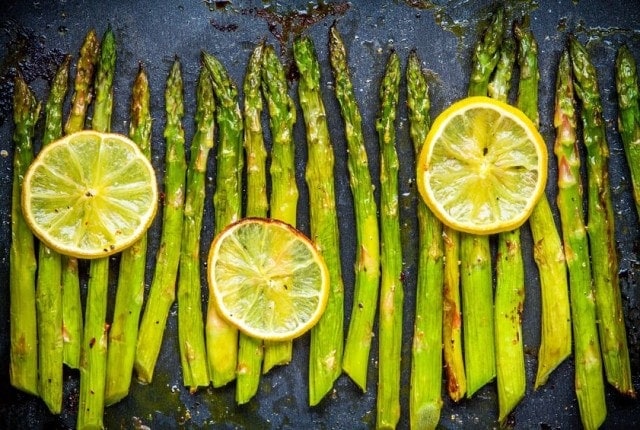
(250, 350)
(83, 83)
(391, 289)
(123, 333)
(555, 337)
(486, 55)
(426, 360)
(284, 190)
(23, 354)
(601, 229)
(589, 381)
(48, 283)
(222, 337)
(193, 352)
(93, 360)
(326, 349)
(355, 361)
(162, 292)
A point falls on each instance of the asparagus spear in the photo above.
(48, 283)
(555, 342)
(123, 333)
(163, 285)
(23, 355)
(190, 324)
(367, 262)
(426, 362)
(510, 291)
(629, 115)
(284, 190)
(222, 338)
(325, 355)
(93, 359)
(604, 260)
(250, 350)
(589, 384)
(475, 255)
(71, 303)
(391, 290)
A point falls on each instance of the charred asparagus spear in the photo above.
(163, 285)
(426, 362)
(604, 260)
(221, 337)
(325, 355)
(48, 283)
(93, 360)
(284, 190)
(123, 333)
(23, 354)
(589, 383)
(367, 260)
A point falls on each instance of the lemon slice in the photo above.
(90, 194)
(483, 166)
(267, 279)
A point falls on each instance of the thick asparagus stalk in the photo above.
(162, 292)
(475, 255)
(391, 289)
(629, 115)
(284, 190)
(221, 337)
(93, 359)
(190, 324)
(589, 383)
(355, 361)
(23, 355)
(48, 283)
(250, 350)
(604, 260)
(123, 333)
(325, 355)
(510, 291)
(426, 361)
(71, 302)
(555, 337)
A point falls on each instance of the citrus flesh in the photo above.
(267, 279)
(90, 194)
(483, 166)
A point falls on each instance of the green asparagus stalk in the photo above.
(604, 260)
(510, 291)
(475, 255)
(391, 289)
(123, 333)
(23, 355)
(93, 359)
(326, 349)
(162, 291)
(284, 190)
(426, 363)
(355, 361)
(71, 303)
(193, 352)
(589, 383)
(221, 337)
(48, 283)
(629, 115)
(555, 337)
(250, 350)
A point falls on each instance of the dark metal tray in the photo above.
(35, 34)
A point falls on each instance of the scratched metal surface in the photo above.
(33, 37)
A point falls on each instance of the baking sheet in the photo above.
(34, 35)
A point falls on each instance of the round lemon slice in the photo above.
(90, 194)
(267, 279)
(483, 166)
